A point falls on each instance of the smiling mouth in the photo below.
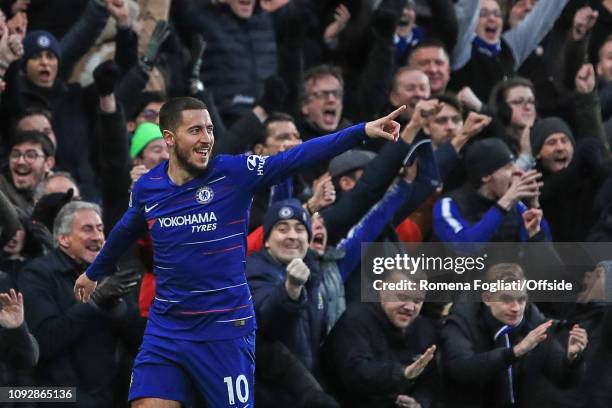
(22, 172)
(203, 152)
(93, 248)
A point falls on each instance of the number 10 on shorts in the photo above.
(241, 386)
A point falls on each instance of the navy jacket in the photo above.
(300, 325)
(464, 215)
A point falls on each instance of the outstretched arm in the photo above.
(467, 18)
(444, 24)
(405, 194)
(83, 34)
(257, 171)
(526, 36)
(370, 226)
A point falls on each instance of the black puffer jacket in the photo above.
(240, 55)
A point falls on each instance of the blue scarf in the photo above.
(402, 44)
(490, 50)
(502, 338)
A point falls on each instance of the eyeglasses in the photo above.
(336, 93)
(150, 114)
(522, 102)
(28, 155)
(484, 13)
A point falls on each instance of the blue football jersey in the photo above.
(199, 232)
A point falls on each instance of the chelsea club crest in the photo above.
(204, 195)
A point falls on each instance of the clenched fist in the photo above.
(297, 275)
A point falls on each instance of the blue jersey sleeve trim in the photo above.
(371, 226)
(450, 226)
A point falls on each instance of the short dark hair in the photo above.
(500, 92)
(317, 72)
(277, 117)
(34, 110)
(352, 174)
(260, 136)
(450, 99)
(428, 43)
(171, 113)
(34, 137)
(145, 99)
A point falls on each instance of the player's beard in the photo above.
(182, 157)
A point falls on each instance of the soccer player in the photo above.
(201, 324)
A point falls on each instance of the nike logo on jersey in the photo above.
(151, 208)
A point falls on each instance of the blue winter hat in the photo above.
(286, 210)
(37, 41)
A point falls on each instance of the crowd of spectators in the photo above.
(506, 137)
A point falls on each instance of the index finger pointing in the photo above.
(396, 112)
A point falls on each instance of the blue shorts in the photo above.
(221, 370)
